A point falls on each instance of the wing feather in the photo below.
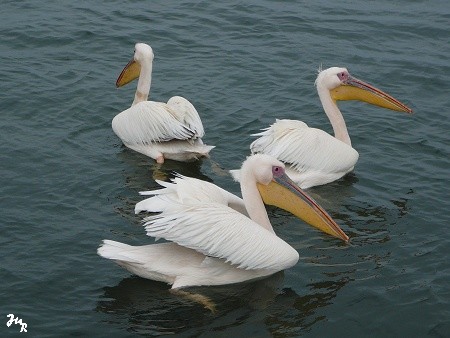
(219, 231)
(148, 122)
(188, 190)
(187, 114)
(306, 149)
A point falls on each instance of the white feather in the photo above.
(219, 231)
(171, 130)
(187, 114)
(211, 241)
(188, 190)
(147, 122)
(314, 156)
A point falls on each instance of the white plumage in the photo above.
(216, 230)
(293, 142)
(211, 241)
(171, 130)
(188, 190)
(314, 157)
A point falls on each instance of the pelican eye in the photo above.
(343, 76)
(277, 171)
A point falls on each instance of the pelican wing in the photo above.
(187, 114)
(219, 231)
(202, 216)
(188, 190)
(305, 148)
(148, 122)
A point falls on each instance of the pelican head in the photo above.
(143, 54)
(343, 86)
(277, 189)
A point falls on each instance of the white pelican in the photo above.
(314, 157)
(171, 130)
(211, 241)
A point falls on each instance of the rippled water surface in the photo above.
(67, 182)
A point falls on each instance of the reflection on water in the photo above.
(149, 308)
(142, 170)
(344, 185)
(401, 204)
(306, 314)
(372, 224)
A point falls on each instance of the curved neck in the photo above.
(334, 115)
(144, 82)
(253, 201)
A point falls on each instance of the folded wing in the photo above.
(305, 148)
(148, 122)
(187, 114)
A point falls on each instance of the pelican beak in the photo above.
(129, 73)
(354, 89)
(285, 194)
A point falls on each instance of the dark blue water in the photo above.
(67, 182)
